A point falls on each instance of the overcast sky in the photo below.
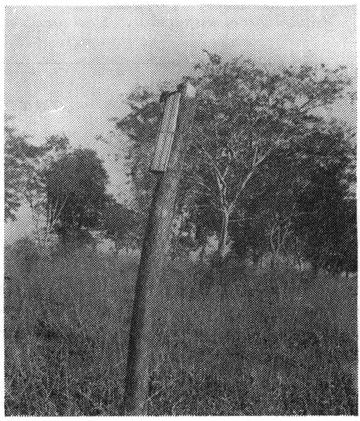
(70, 69)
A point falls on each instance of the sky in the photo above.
(69, 69)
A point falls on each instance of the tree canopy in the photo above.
(76, 186)
(257, 137)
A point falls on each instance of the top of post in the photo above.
(187, 89)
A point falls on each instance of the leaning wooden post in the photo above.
(168, 166)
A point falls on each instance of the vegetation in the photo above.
(276, 344)
(252, 126)
(75, 184)
(121, 226)
(256, 313)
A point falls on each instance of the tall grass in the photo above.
(272, 343)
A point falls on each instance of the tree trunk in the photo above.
(222, 250)
(224, 237)
(272, 260)
(256, 259)
(116, 249)
(314, 269)
(202, 253)
(156, 242)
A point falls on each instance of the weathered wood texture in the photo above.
(156, 242)
(166, 133)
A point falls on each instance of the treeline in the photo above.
(267, 174)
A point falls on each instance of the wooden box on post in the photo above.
(166, 133)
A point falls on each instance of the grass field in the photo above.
(274, 342)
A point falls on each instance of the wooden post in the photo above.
(156, 242)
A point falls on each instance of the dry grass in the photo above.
(270, 344)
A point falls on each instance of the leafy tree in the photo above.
(76, 187)
(121, 225)
(324, 207)
(25, 164)
(245, 113)
(20, 158)
(264, 223)
(322, 219)
(65, 190)
(250, 233)
(276, 202)
(44, 215)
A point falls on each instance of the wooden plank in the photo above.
(165, 135)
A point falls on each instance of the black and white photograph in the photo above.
(180, 217)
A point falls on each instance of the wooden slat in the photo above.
(166, 133)
(166, 114)
(160, 143)
(169, 137)
(174, 112)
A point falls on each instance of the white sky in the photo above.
(70, 69)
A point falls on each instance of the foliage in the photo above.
(44, 215)
(121, 225)
(65, 189)
(322, 219)
(25, 164)
(76, 186)
(246, 113)
(277, 205)
(248, 119)
(21, 159)
(326, 223)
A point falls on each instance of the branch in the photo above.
(200, 182)
(56, 214)
(255, 154)
(248, 178)
(219, 177)
(226, 171)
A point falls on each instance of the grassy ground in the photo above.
(272, 343)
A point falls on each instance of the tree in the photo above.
(76, 191)
(44, 215)
(245, 113)
(250, 233)
(20, 159)
(25, 164)
(248, 113)
(278, 200)
(325, 219)
(324, 205)
(121, 225)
